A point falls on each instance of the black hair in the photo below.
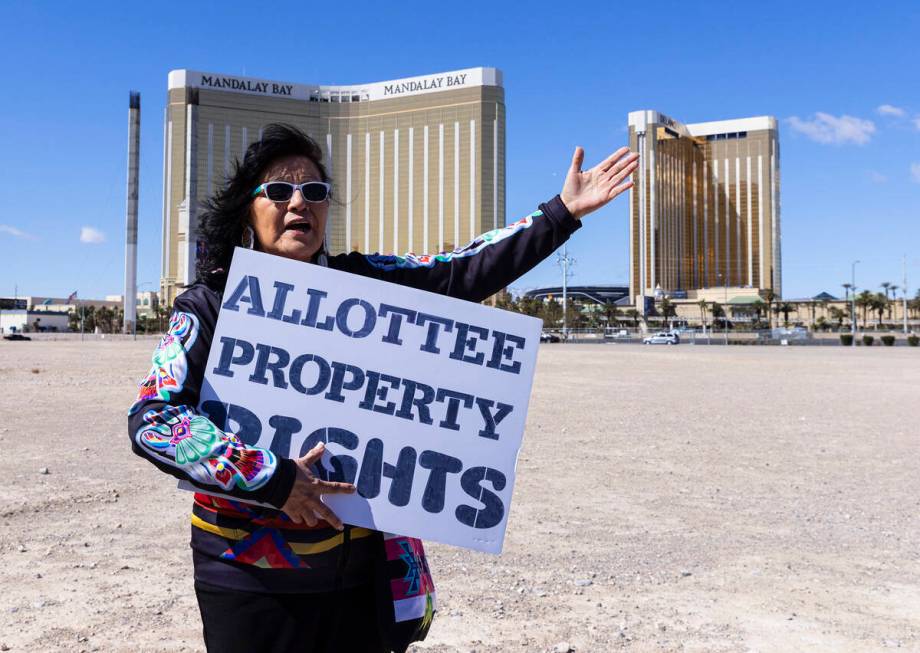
(226, 213)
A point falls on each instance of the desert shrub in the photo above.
(846, 339)
(888, 341)
(868, 340)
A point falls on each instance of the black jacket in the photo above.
(238, 545)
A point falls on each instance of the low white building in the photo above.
(20, 321)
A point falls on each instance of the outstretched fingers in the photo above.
(616, 190)
(618, 173)
(611, 160)
(626, 163)
(333, 487)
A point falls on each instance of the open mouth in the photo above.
(300, 227)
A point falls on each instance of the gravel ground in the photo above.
(668, 499)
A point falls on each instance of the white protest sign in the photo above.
(421, 399)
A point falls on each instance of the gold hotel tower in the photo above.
(418, 164)
(705, 209)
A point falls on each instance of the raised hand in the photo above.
(589, 190)
(303, 505)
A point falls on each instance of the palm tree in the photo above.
(864, 300)
(668, 310)
(838, 314)
(611, 313)
(879, 304)
(848, 287)
(758, 307)
(770, 296)
(785, 308)
(703, 304)
(634, 314)
(894, 297)
(886, 286)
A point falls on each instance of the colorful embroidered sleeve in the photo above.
(166, 429)
(480, 268)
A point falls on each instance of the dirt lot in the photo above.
(674, 498)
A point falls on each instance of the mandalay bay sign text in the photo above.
(428, 84)
(421, 399)
(467, 78)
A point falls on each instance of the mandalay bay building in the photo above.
(705, 209)
(417, 164)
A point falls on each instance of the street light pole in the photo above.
(904, 290)
(853, 302)
(565, 261)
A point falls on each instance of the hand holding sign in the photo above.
(588, 191)
(303, 504)
(404, 408)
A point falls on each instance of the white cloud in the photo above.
(825, 128)
(877, 177)
(889, 110)
(91, 235)
(13, 231)
(915, 172)
(917, 123)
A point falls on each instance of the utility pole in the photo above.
(853, 302)
(565, 262)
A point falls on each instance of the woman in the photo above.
(276, 570)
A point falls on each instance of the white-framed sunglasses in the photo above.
(283, 191)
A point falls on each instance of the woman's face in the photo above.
(293, 229)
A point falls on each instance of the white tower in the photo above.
(134, 147)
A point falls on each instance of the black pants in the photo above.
(251, 622)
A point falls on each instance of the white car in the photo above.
(662, 338)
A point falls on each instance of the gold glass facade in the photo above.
(704, 211)
(417, 165)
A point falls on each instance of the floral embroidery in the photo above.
(170, 365)
(192, 442)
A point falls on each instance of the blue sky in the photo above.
(572, 72)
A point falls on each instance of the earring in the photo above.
(248, 238)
